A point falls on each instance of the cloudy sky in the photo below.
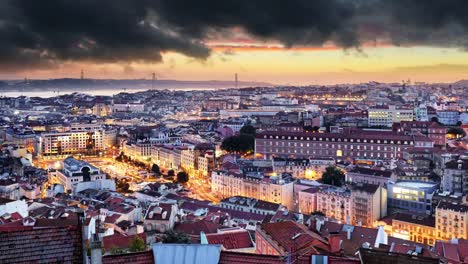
(278, 41)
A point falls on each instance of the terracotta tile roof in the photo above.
(305, 242)
(228, 257)
(120, 241)
(231, 240)
(45, 245)
(195, 228)
(455, 253)
(144, 257)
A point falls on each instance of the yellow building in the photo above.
(417, 228)
(451, 220)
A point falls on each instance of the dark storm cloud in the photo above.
(44, 33)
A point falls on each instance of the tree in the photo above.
(239, 144)
(155, 170)
(171, 173)
(248, 130)
(182, 177)
(137, 244)
(333, 176)
(173, 237)
(317, 213)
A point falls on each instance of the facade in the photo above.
(413, 196)
(249, 205)
(21, 136)
(385, 116)
(73, 142)
(335, 203)
(76, 171)
(455, 177)
(368, 204)
(128, 107)
(451, 221)
(370, 176)
(275, 189)
(448, 118)
(140, 151)
(416, 228)
(310, 169)
(351, 144)
(432, 130)
(160, 217)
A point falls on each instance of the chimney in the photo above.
(334, 239)
(348, 233)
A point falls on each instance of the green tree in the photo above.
(318, 213)
(155, 170)
(173, 237)
(248, 130)
(333, 176)
(171, 173)
(182, 177)
(137, 244)
(239, 144)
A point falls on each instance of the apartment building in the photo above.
(432, 130)
(73, 142)
(140, 150)
(335, 203)
(416, 228)
(370, 176)
(276, 189)
(350, 144)
(451, 221)
(455, 176)
(385, 116)
(368, 204)
(306, 168)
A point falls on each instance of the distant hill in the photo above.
(461, 83)
(73, 84)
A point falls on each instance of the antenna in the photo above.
(82, 75)
(152, 81)
(236, 80)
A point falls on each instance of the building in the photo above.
(73, 142)
(455, 177)
(302, 168)
(368, 204)
(335, 202)
(160, 217)
(370, 176)
(350, 144)
(413, 227)
(413, 196)
(250, 205)
(432, 130)
(284, 238)
(75, 171)
(452, 252)
(275, 189)
(451, 221)
(448, 118)
(128, 107)
(21, 136)
(386, 116)
(140, 151)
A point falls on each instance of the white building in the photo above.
(387, 115)
(73, 142)
(75, 171)
(275, 189)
